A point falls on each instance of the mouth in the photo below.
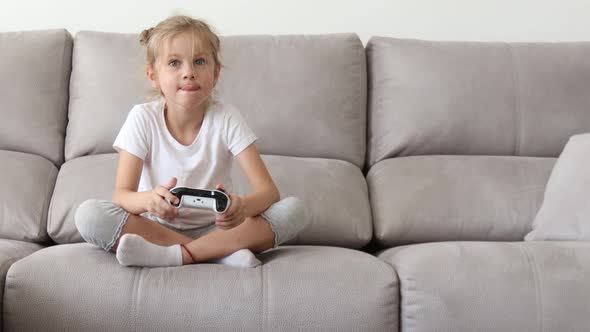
(190, 88)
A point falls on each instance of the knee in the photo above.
(294, 209)
(100, 222)
(298, 210)
(87, 215)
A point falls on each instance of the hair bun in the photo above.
(145, 35)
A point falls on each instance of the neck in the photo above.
(183, 121)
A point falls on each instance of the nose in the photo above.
(188, 72)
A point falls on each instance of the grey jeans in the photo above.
(100, 221)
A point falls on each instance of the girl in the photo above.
(186, 138)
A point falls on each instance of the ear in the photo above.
(216, 74)
(152, 77)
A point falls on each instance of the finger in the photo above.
(164, 193)
(161, 191)
(223, 223)
(224, 220)
(171, 183)
(227, 215)
(235, 202)
(224, 227)
(231, 210)
(163, 205)
(172, 215)
(170, 209)
(231, 213)
(173, 199)
(158, 212)
(220, 187)
(167, 208)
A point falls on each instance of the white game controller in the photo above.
(209, 199)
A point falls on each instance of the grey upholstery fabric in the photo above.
(10, 252)
(483, 286)
(475, 98)
(565, 212)
(302, 95)
(442, 198)
(35, 71)
(107, 80)
(295, 288)
(27, 183)
(78, 180)
(334, 192)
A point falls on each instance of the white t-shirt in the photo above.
(203, 164)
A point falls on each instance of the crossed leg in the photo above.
(254, 234)
(151, 231)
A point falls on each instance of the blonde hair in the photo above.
(156, 37)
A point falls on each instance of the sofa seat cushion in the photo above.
(10, 252)
(334, 191)
(441, 198)
(486, 286)
(310, 108)
(27, 184)
(81, 287)
(34, 82)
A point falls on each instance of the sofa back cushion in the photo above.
(302, 95)
(455, 198)
(27, 185)
(34, 77)
(475, 98)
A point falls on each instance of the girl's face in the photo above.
(185, 72)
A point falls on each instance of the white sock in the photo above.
(134, 250)
(240, 258)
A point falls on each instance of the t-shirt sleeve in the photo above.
(133, 136)
(238, 134)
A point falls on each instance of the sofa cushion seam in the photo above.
(363, 113)
(517, 101)
(48, 196)
(263, 314)
(538, 290)
(65, 103)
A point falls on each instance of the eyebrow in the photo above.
(176, 55)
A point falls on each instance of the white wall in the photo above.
(501, 20)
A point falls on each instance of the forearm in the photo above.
(131, 201)
(258, 201)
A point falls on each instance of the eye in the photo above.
(173, 63)
(200, 61)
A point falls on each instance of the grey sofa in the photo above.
(422, 164)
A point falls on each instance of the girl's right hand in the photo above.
(157, 204)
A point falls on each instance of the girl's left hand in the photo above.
(234, 216)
